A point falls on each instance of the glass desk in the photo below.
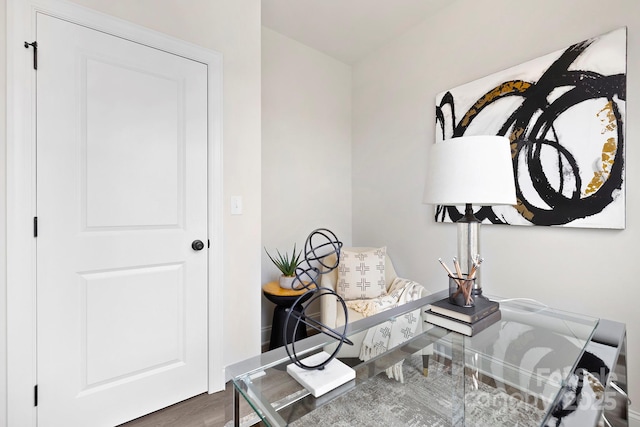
(515, 371)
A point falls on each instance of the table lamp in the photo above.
(470, 170)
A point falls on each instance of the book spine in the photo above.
(485, 323)
(483, 313)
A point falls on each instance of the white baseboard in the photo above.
(265, 336)
(634, 419)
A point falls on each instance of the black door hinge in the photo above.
(34, 45)
(35, 395)
(35, 226)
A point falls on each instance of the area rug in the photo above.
(421, 401)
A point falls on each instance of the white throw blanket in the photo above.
(393, 332)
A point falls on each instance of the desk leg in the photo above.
(457, 377)
(236, 407)
(616, 410)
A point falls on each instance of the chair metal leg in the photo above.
(425, 365)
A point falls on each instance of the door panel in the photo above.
(147, 192)
(121, 194)
(123, 335)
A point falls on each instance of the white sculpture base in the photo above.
(319, 382)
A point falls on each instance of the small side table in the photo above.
(284, 300)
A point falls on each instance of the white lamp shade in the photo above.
(471, 169)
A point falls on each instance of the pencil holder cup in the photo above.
(461, 291)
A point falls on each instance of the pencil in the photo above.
(446, 268)
(456, 264)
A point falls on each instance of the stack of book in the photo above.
(464, 320)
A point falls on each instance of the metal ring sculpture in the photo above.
(315, 252)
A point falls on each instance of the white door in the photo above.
(121, 196)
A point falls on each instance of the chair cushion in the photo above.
(361, 274)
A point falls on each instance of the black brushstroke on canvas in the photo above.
(536, 117)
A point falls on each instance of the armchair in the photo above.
(332, 317)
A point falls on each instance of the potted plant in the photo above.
(287, 266)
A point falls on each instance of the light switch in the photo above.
(236, 205)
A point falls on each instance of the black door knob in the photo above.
(197, 245)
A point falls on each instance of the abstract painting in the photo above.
(564, 114)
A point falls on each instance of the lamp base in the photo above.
(469, 244)
(477, 293)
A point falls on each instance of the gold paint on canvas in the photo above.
(522, 209)
(609, 119)
(609, 148)
(599, 177)
(515, 135)
(514, 86)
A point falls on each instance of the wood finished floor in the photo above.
(204, 410)
(212, 410)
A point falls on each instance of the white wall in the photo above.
(580, 270)
(232, 28)
(3, 222)
(306, 149)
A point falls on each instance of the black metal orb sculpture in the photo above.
(320, 244)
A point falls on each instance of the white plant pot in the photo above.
(286, 282)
